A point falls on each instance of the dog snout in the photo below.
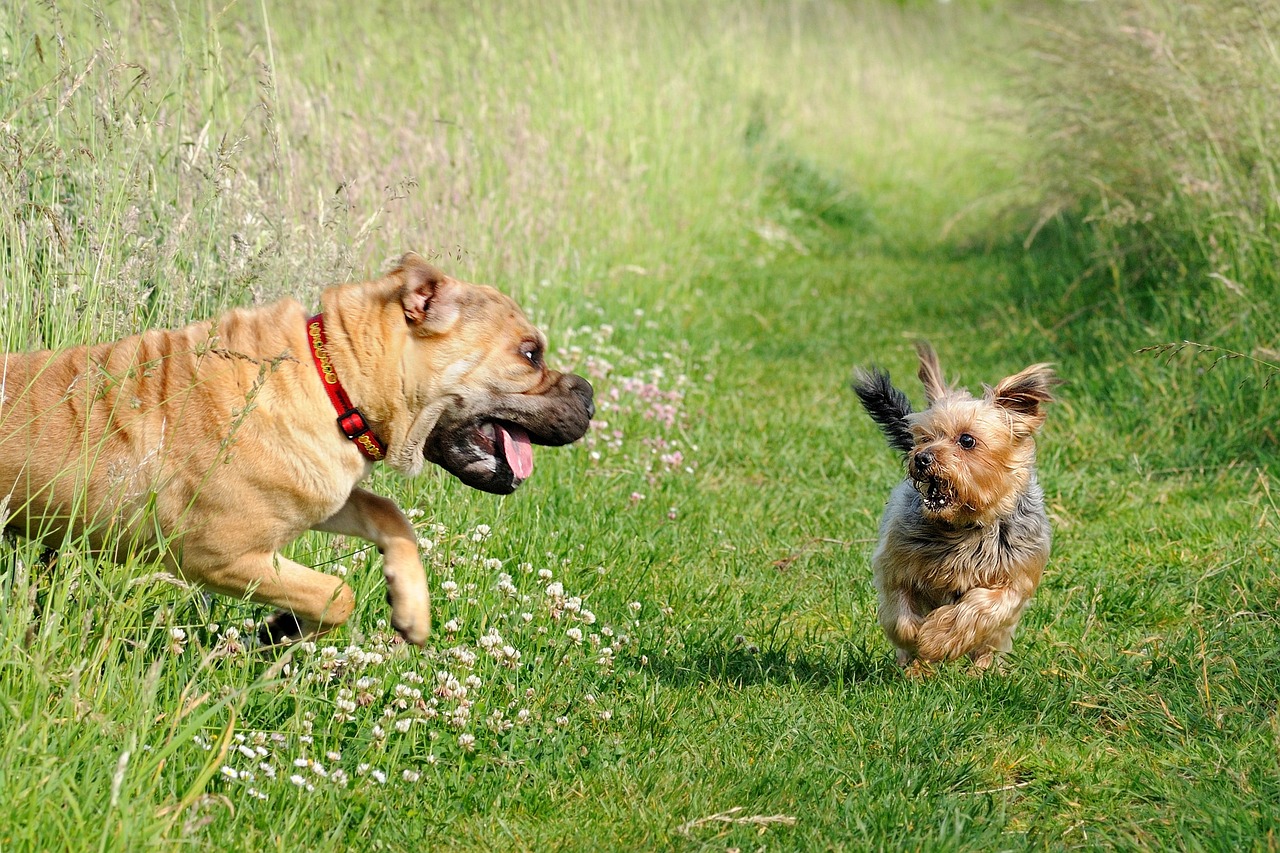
(923, 460)
(582, 389)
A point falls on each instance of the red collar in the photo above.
(350, 419)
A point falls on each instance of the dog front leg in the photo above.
(980, 624)
(900, 622)
(381, 522)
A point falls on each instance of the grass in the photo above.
(715, 214)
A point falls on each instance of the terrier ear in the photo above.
(426, 295)
(935, 386)
(1025, 392)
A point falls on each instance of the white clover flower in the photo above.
(491, 640)
(414, 512)
(402, 725)
(526, 617)
(635, 606)
(467, 742)
(493, 564)
(562, 721)
(451, 627)
(450, 590)
(460, 717)
(379, 777)
(606, 715)
(333, 755)
(426, 545)
(411, 775)
(544, 574)
(574, 634)
(431, 758)
(177, 640)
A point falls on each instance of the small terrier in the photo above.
(965, 536)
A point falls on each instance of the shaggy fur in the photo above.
(964, 537)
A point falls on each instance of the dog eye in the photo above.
(532, 352)
(967, 441)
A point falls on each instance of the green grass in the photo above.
(715, 212)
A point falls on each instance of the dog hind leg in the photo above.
(311, 603)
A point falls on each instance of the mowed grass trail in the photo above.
(666, 639)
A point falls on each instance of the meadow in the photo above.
(667, 638)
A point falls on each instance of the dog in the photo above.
(964, 538)
(213, 446)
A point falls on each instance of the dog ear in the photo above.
(1025, 392)
(425, 295)
(935, 386)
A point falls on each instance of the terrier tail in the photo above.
(886, 405)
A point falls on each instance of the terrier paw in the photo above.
(937, 640)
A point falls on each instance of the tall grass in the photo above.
(1155, 155)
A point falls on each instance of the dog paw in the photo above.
(918, 670)
(937, 639)
(279, 629)
(414, 631)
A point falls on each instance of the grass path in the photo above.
(1137, 710)
(688, 589)
(755, 703)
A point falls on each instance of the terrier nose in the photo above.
(924, 459)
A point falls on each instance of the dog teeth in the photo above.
(489, 431)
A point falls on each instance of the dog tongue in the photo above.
(518, 450)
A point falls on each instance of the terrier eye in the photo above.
(967, 441)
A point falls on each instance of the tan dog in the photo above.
(216, 445)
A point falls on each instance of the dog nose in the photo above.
(583, 390)
(924, 459)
